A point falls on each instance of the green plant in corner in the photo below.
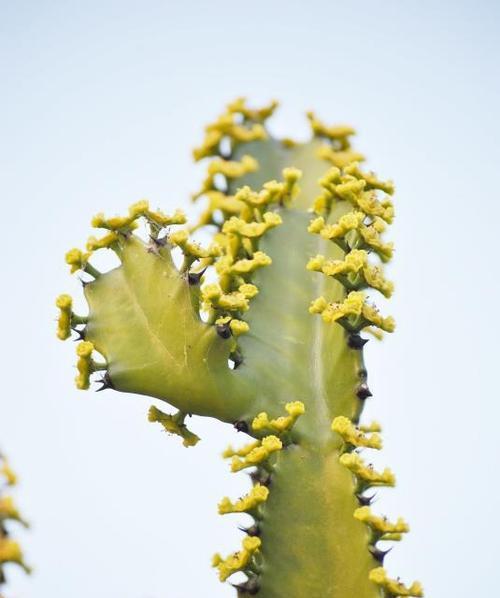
(10, 550)
(262, 329)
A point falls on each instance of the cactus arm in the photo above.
(165, 353)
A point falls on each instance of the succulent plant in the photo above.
(10, 550)
(263, 328)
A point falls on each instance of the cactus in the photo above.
(231, 331)
(10, 550)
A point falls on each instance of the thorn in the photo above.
(355, 341)
(237, 358)
(153, 249)
(105, 381)
(378, 555)
(365, 501)
(362, 373)
(159, 241)
(253, 530)
(241, 426)
(250, 587)
(84, 282)
(80, 334)
(224, 331)
(260, 477)
(363, 392)
(155, 244)
(195, 277)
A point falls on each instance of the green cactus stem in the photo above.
(10, 550)
(263, 329)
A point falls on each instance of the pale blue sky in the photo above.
(100, 105)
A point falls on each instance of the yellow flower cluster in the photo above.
(77, 259)
(366, 236)
(237, 561)
(84, 364)
(236, 327)
(229, 169)
(373, 426)
(259, 453)
(257, 495)
(8, 510)
(238, 124)
(252, 230)
(227, 127)
(367, 476)
(217, 201)
(382, 527)
(280, 424)
(139, 209)
(357, 190)
(354, 313)
(371, 179)
(10, 552)
(339, 134)
(105, 242)
(272, 192)
(355, 436)
(354, 271)
(246, 216)
(338, 158)
(65, 304)
(393, 587)
(214, 298)
(241, 452)
(248, 205)
(227, 266)
(357, 233)
(173, 424)
(7, 472)
(192, 250)
(239, 239)
(239, 106)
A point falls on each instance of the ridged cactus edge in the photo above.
(262, 328)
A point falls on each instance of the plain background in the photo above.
(100, 105)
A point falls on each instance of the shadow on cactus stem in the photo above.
(297, 243)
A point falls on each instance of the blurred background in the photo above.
(100, 106)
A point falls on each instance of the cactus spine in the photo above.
(233, 333)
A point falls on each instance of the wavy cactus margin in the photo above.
(10, 550)
(232, 332)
